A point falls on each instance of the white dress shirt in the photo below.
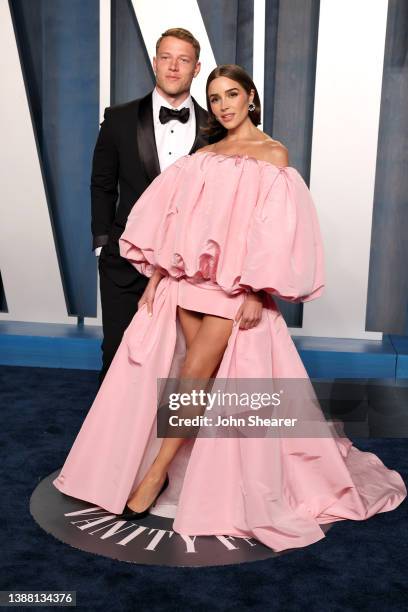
(173, 139)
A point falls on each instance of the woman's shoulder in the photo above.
(273, 151)
(267, 149)
(206, 149)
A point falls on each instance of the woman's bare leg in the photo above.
(206, 340)
(203, 357)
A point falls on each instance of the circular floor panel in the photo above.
(149, 541)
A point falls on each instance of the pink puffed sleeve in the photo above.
(284, 250)
(146, 224)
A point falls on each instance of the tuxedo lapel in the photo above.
(201, 121)
(146, 141)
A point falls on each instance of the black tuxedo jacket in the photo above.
(125, 162)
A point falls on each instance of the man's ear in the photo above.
(197, 68)
(154, 65)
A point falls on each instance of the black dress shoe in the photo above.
(129, 514)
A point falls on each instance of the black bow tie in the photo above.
(167, 114)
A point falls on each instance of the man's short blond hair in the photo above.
(182, 34)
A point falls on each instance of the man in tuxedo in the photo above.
(137, 141)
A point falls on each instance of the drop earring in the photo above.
(251, 106)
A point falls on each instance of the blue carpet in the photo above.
(358, 566)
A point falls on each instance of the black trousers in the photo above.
(121, 287)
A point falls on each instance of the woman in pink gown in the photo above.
(220, 233)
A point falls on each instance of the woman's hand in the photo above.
(250, 311)
(150, 291)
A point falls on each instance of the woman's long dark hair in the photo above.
(214, 130)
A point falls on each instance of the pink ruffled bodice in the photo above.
(230, 219)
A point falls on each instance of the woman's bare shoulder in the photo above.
(209, 147)
(275, 152)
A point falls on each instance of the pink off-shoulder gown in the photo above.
(218, 225)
